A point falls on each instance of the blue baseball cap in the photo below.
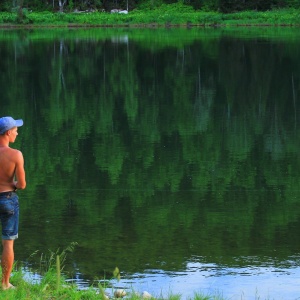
(7, 123)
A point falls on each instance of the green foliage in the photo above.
(208, 5)
(7, 18)
(226, 6)
(293, 3)
(149, 5)
(283, 17)
(54, 261)
(201, 296)
(175, 14)
(178, 7)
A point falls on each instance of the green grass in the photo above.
(53, 284)
(165, 15)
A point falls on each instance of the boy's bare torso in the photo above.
(7, 168)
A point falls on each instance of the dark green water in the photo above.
(172, 154)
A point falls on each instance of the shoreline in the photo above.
(141, 26)
(151, 19)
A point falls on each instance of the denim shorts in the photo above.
(9, 215)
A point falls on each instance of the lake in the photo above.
(172, 154)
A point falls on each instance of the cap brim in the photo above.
(19, 123)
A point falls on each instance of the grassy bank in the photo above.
(48, 290)
(166, 15)
(54, 286)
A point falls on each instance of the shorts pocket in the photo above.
(7, 208)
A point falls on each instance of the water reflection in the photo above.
(244, 282)
(239, 282)
(170, 154)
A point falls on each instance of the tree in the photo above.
(61, 5)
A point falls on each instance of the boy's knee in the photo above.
(8, 244)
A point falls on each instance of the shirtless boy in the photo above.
(12, 177)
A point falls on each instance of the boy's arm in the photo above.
(20, 182)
